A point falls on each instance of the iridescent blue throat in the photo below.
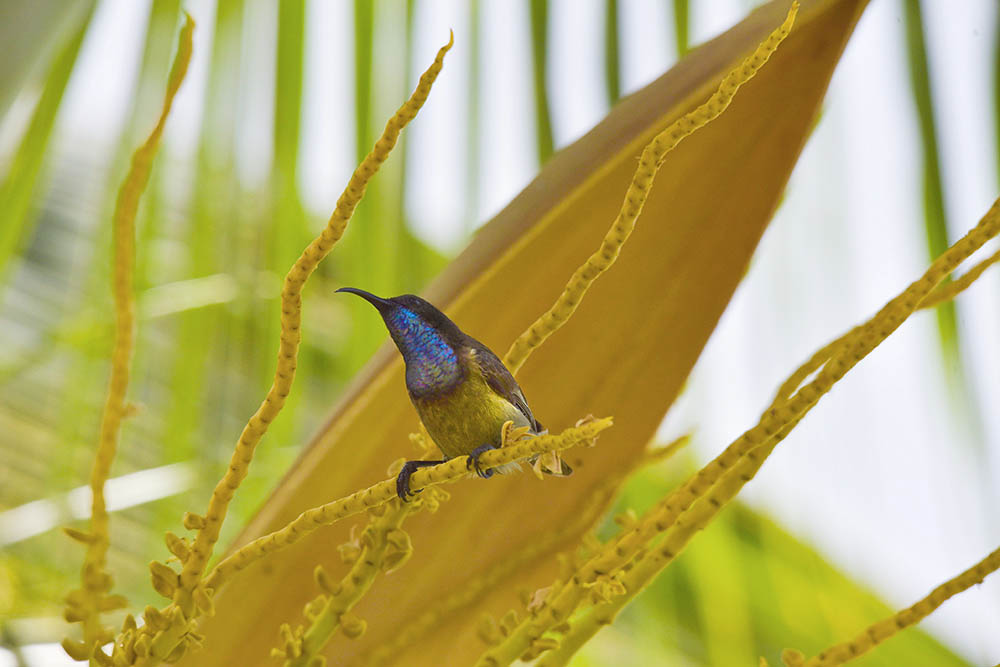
(431, 364)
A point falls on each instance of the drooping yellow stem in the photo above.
(449, 471)
(471, 591)
(385, 547)
(854, 347)
(878, 632)
(697, 502)
(291, 320)
(942, 293)
(167, 633)
(635, 197)
(86, 604)
(949, 291)
(612, 556)
(548, 615)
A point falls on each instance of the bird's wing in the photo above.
(502, 382)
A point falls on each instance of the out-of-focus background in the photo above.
(892, 481)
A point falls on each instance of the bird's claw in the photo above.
(403, 478)
(403, 485)
(473, 462)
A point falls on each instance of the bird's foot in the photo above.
(473, 462)
(403, 479)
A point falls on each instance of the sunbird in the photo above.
(461, 390)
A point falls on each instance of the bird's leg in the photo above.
(403, 479)
(473, 462)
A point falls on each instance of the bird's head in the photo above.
(417, 327)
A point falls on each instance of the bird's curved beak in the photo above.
(377, 301)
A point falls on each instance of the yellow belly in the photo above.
(468, 417)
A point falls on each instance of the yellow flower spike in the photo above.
(886, 628)
(635, 197)
(571, 596)
(651, 159)
(208, 526)
(386, 541)
(597, 505)
(853, 347)
(116, 409)
(450, 471)
(813, 364)
(951, 290)
(788, 88)
(941, 293)
(291, 334)
(562, 597)
(695, 503)
(566, 597)
(632, 542)
(617, 553)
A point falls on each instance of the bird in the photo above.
(461, 390)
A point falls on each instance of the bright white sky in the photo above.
(895, 490)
